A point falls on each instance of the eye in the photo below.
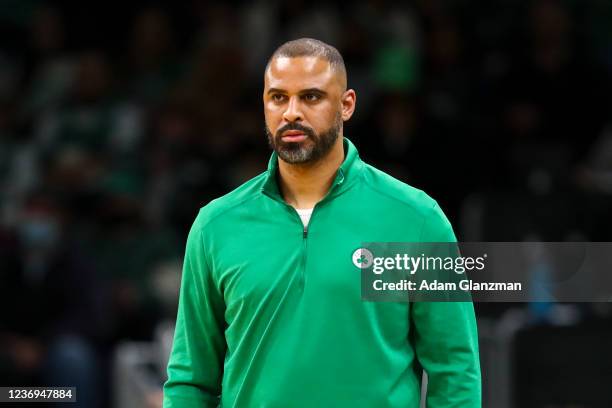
(311, 97)
(278, 97)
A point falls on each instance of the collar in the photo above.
(348, 173)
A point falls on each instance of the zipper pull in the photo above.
(305, 235)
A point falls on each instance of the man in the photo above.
(270, 311)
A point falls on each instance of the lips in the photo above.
(293, 136)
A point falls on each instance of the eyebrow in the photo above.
(276, 90)
(302, 92)
(313, 90)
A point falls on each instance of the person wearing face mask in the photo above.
(53, 321)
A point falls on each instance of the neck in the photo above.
(304, 185)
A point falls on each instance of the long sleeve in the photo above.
(445, 338)
(195, 368)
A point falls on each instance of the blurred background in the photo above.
(117, 123)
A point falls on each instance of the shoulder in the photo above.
(404, 197)
(223, 205)
(387, 187)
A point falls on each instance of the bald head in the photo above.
(309, 47)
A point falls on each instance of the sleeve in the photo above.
(445, 337)
(195, 367)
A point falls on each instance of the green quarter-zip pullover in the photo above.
(270, 312)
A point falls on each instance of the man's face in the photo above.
(303, 107)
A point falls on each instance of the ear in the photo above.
(349, 98)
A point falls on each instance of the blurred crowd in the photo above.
(118, 124)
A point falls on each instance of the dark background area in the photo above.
(118, 122)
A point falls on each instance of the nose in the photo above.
(293, 112)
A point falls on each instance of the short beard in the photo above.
(305, 152)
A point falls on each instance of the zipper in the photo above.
(302, 277)
(304, 257)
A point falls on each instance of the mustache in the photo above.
(296, 126)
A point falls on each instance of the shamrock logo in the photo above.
(362, 258)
